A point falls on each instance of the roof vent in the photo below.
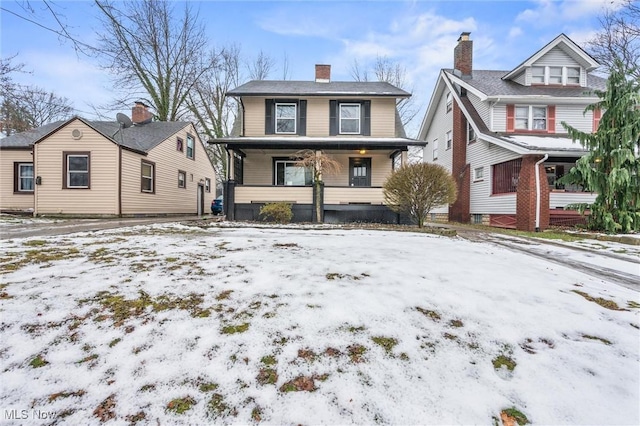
(76, 134)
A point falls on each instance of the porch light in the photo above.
(363, 151)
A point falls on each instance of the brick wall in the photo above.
(460, 170)
(526, 196)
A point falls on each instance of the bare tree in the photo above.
(619, 38)
(321, 164)
(31, 107)
(153, 54)
(260, 67)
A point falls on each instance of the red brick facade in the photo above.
(459, 211)
(323, 72)
(140, 113)
(463, 55)
(526, 196)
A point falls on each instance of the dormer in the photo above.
(561, 63)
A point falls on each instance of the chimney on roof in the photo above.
(323, 73)
(463, 55)
(140, 113)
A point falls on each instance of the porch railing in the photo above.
(304, 194)
(353, 194)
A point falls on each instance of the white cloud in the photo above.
(515, 32)
(550, 12)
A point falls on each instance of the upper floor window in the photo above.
(449, 101)
(555, 75)
(23, 177)
(435, 149)
(76, 170)
(179, 145)
(537, 75)
(286, 118)
(148, 176)
(531, 118)
(573, 75)
(471, 134)
(191, 147)
(350, 119)
(449, 139)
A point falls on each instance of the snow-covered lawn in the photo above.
(182, 324)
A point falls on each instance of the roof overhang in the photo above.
(303, 142)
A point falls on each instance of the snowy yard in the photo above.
(173, 323)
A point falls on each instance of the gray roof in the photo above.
(312, 88)
(140, 137)
(491, 84)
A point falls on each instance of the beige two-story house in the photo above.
(130, 167)
(500, 134)
(355, 123)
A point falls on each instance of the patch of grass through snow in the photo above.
(181, 405)
(608, 304)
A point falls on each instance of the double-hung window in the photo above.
(435, 149)
(24, 177)
(471, 134)
(573, 75)
(350, 119)
(555, 75)
(207, 185)
(449, 139)
(286, 118)
(449, 100)
(76, 170)
(289, 173)
(182, 179)
(537, 75)
(148, 177)
(191, 147)
(531, 117)
(478, 174)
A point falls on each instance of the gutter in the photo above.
(538, 190)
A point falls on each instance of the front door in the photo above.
(360, 171)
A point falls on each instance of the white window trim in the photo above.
(530, 117)
(477, 178)
(357, 118)
(469, 130)
(295, 124)
(150, 178)
(184, 180)
(285, 162)
(69, 171)
(564, 79)
(449, 137)
(32, 177)
(207, 185)
(193, 147)
(449, 101)
(435, 149)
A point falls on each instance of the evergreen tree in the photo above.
(612, 167)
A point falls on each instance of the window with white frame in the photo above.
(537, 75)
(76, 173)
(148, 177)
(449, 139)
(24, 177)
(286, 118)
(478, 173)
(531, 117)
(207, 185)
(350, 119)
(191, 147)
(449, 101)
(471, 134)
(182, 179)
(289, 173)
(573, 75)
(555, 75)
(435, 149)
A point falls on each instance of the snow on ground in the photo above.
(184, 324)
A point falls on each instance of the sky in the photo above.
(231, 316)
(419, 35)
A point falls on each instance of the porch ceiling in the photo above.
(333, 142)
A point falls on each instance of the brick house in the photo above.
(500, 135)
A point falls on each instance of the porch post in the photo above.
(229, 199)
(526, 195)
(318, 198)
(231, 172)
(404, 158)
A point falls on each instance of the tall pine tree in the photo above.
(612, 167)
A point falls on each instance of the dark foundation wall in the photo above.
(348, 213)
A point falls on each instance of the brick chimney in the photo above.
(140, 113)
(323, 73)
(463, 55)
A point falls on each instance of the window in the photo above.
(179, 145)
(449, 139)
(471, 134)
(289, 174)
(238, 168)
(191, 147)
(397, 161)
(505, 176)
(286, 118)
(555, 169)
(531, 118)
(537, 75)
(76, 170)
(573, 75)
(148, 176)
(449, 101)
(23, 177)
(435, 149)
(182, 179)
(478, 173)
(555, 75)
(476, 219)
(350, 119)
(207, 185)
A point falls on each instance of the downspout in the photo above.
(538, 191)
(119, 180)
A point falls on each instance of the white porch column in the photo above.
(230, 165)
(404, 158)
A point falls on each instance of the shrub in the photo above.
(417, 188)
(276, 212)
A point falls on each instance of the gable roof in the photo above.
(564, 43)
(140, 138)
(312, 88)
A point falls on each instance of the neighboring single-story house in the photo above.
(355, 123)
(97, 168)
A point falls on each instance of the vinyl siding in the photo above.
(9, 200)
(168, 198)
(562, 199)
(481, 107)
(102, 196)
(382, 116)
(499, 118)
(442, 123)
(575, 116)
(523, 78)
(292, 194)
(353, 195)
(556, 57)
(485, 154)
